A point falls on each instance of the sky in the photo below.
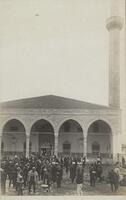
(57, 47)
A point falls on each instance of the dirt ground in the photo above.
(68, 188)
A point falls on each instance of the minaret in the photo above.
(114, 25)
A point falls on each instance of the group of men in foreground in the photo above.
(25, 173)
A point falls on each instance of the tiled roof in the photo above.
(51, 102)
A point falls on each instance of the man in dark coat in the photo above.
(92, 172)
(79, 178)
(53, 172)
(25, 175)
(59, 176)
(32, 179)
(66, 164)
(72, 171)
(3, 175)
(114, 180)
(99, 171)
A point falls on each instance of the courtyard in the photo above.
(69, 189)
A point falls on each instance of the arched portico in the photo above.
(13, 138)
(42, 137)
(99, 139)
(70, 139)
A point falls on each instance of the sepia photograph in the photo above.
(63, 98)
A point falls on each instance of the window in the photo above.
(66, 147)
(95, 148)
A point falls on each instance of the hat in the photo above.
(79, 163)
(16, 164)
(20, 176)
(18, 169)
(33, 167)
(1, 170)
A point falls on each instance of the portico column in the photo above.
(85, 146)
(56, 145)
(27, 145)
(115, 146)
(111, 146)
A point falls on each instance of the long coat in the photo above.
(33, 174)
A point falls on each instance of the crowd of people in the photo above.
(25, 173)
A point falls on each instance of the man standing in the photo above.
(92, 172)
(118, 174)
(3, 176)
(59, 176)
(113, 177)
(99, 171)
(72, 171)
(32, 179)
(79, 178)
(20, 182)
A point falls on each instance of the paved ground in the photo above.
(67, 188)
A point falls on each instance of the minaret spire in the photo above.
(114, 7)
(114, 25)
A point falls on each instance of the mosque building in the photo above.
(64, 126)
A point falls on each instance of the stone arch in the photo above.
(13, 137)
(101, 119)
(42, 137)
(67, 119)
(100, 132)
(70, 130)
(6, 120)
(36, 119)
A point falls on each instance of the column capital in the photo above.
(85, 137)
(56, 136)
(27, 135)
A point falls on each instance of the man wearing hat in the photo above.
(79, 178)
(73, 171)
(19, 181)
(92, 171)
(53, 172)
(58, 175)
(32, 179)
